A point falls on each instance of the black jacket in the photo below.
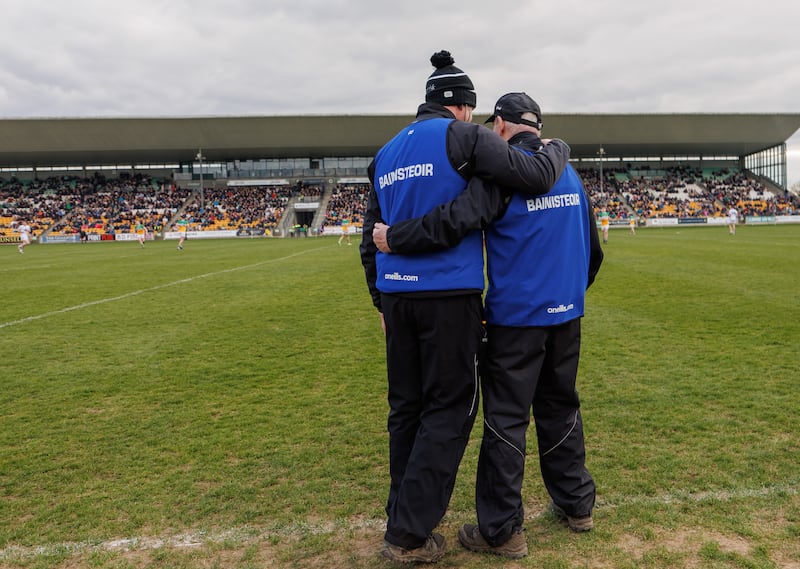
(480, 204)
(475, 152)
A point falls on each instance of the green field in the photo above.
(224, 407)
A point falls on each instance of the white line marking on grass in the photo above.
(24, 268)
(237, 536)
(246, 535)
(151, 289)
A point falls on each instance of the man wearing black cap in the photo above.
(542, 255)
(430, 304)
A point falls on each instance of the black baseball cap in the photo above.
(512, 106)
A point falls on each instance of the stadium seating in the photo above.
(69, 205)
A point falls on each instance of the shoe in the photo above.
(515, 548)
(429, 552)
(577, 525)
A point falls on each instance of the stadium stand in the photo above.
(64, 205)
(347, 202)
(258, 207)
(99, 177)
(684, 192)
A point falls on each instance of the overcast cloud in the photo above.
(287, 57)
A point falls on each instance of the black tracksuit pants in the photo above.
(530, 368)
(431, 355)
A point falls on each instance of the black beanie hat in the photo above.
(448, 85)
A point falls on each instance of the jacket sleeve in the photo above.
(475, 150)
(595, 251)
(446, 225)
(367, 248)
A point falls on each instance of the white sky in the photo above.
(286, 57)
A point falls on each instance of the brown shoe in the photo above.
(577, 525)
(515, 548)
(429, 552)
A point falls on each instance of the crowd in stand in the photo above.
(118, 208)
(258, 207)
(308, 192)
(348, 202)
(683, 192)
(255, 207)
(64, 204)
(38, 211)
(749, 197)
(68, 205)
(606, 195)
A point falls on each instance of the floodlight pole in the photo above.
(602, 153)
(202, 196)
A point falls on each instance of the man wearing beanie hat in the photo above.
(430, 304)
(542, 254)
(448, 85)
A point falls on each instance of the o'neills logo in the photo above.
(395, 276)
(560, 308)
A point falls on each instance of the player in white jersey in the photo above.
(24, 231)
(733, 217)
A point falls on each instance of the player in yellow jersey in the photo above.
(141, 233)
(182, 226)
(605, 221)
(345, 231)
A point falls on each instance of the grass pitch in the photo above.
(224, 406)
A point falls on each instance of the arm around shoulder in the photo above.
(446, 225)
(497, 162)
